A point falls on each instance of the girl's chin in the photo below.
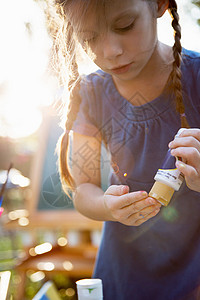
(128, 76)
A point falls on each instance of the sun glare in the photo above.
(24, 86)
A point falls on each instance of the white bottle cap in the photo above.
(89, 289)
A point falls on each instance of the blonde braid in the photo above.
(72, 111)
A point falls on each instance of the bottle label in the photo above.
(168, 173)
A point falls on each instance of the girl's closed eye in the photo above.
(91, 38)
(125, 28)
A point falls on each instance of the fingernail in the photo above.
(125, 189)
(180, 164)
(151, 201)
(170, 145)
(144, 193)
(172, 152)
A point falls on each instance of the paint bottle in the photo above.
(167, 179)
(90, 289)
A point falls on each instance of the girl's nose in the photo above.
(112, 46)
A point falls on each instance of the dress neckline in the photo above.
(142, 112)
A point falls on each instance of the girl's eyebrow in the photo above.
(131, 13)
(124, 15)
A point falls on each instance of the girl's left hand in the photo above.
(187, 146)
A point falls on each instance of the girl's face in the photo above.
(123, 41)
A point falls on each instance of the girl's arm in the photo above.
(187, 146)
(116, 204)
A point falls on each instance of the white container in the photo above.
(89, 289)
(167, 179)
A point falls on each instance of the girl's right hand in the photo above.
(131, 209)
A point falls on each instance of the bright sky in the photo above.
(23, 59)
(188, 13)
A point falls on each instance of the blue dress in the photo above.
(159, 259)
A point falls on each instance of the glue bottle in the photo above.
(167, 179)
(90, 288)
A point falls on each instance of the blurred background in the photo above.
(42, 238)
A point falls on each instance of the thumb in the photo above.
(117, 190)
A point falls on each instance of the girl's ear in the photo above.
(162, 7)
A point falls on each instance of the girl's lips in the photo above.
(122, 69)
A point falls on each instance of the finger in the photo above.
(149, 209)
(130, 198)
(144, 218)
(188, 154)
(145, 206)
(117, 190)
(188, 171)
(189, 141)
(195, 132)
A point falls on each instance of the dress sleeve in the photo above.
(86, 118)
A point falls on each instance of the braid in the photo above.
(72, 111)
(176, 72)
(73, 108)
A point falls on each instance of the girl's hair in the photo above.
(65, 54)
(175, 75)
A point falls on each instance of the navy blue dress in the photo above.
(159, 259)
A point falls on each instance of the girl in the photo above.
(142, 94)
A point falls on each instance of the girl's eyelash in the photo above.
(124, 29)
